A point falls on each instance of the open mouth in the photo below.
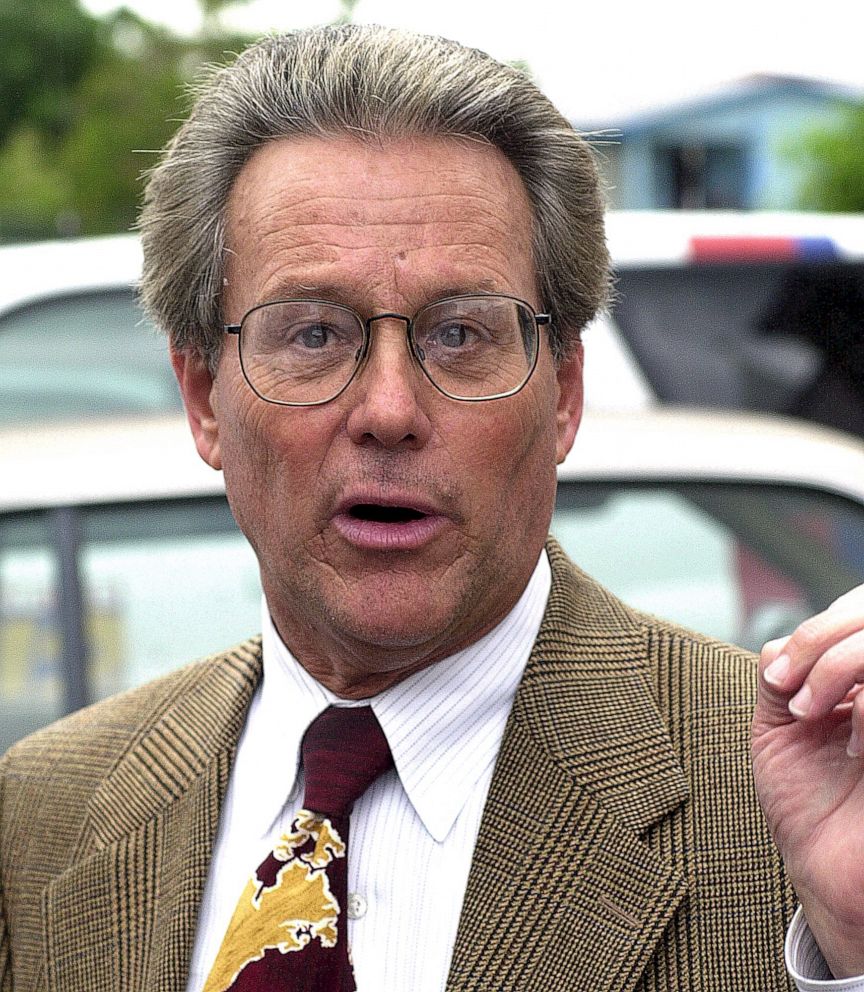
(385, 514)
(387, 526)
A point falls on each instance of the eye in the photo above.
(313, 335)
(454, 334)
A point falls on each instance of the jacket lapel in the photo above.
(564, 893)
(123, 917)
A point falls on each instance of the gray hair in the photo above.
(368, 82)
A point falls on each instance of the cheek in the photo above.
(272, 499)
(514, 456)
(267, 466)
(536, 463)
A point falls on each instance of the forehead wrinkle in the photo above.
(475, 265)
(373, 275)
(365, 175)
(327, 212)
(281, 249)
(308, 194)
(316, 242)
(355, 218)
(343, 219)
(372, 240)
(376, 181)
(314, 245)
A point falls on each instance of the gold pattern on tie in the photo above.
(285, 933)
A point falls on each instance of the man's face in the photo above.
(463, 491)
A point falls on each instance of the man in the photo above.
(373, 254)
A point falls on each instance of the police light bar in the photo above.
(722, 248)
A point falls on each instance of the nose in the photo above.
(386, 395)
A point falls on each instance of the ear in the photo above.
(570, 395)
(196, 386)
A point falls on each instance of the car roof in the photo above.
(100, 461)
(720, 445)
(154, 458)
(46, 269)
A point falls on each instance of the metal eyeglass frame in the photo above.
(540, 320)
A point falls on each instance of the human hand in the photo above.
(808, 741)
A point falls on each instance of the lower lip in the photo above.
(374, 535)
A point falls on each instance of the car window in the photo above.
(171, 582)
(82, 355)
(778, 337)
(741, 562)
(31, 679)
(154, 586)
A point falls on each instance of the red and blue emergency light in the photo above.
(723, 248)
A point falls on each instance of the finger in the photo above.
(770, 650)
(812, 639)
(774, 663)
(830, 679)
(773, 702)
(855, 747)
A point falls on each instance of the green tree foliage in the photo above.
(832, 164)
(45, 50)
(72, 150)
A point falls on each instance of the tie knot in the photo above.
(344, 751)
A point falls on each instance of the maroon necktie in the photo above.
(289, 932)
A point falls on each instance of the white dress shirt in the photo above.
(444, 725)
(805, 963)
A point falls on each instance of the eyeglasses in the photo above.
(306, 352)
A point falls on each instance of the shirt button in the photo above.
(356, 906)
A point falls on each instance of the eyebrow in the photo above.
(296, 290)
(333, 293)
(480, 286)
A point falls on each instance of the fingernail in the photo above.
(854, 748)
(799, 704)
(775, 674)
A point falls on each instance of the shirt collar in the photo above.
(444, 723)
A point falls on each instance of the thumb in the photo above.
(772, 708)
(773, 648)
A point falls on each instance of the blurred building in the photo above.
(728, 149)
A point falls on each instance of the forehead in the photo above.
(308, 212)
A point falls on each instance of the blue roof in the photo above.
(740, 94)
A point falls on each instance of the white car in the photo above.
(119, 558)
(73, 342)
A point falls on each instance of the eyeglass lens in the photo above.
(306, 351)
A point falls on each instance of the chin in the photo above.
(394, 628)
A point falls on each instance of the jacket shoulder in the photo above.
(85, 746)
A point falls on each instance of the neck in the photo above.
(352, 671)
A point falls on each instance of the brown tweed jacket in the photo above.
(621, 847)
